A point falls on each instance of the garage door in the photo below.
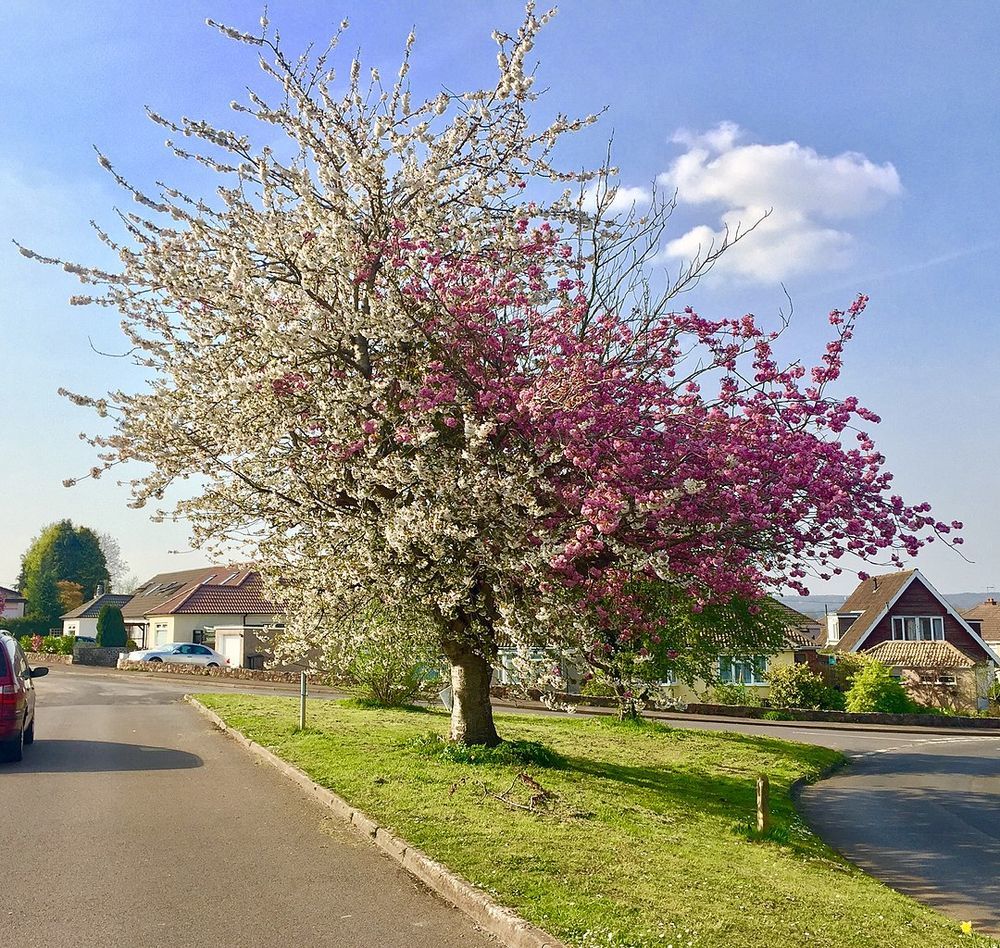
(232, 647)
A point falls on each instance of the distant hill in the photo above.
(818, 606)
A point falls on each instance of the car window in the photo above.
(20, 663)
(200, 650)
(184, 649)
(3, 658)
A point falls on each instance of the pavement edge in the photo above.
(506, 924)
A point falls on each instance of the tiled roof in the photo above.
(242, 597)
(989, 614)
(870, 598)
(11, 595)
(899, 654)
(90, 609)
(802, 631)
(799, 639)
(150, 597)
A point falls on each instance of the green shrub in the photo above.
(777, 715)
(111, 628)
(598, 687)
(505, 754)
(26, 627)
(874, 689)
(737, 695)
(797, 686)
(391, 677)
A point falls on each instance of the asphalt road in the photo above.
(132, 822)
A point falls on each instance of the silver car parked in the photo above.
(184, 653)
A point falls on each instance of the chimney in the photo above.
(100, 591)
(990, 601)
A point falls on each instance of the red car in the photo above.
(17, 699)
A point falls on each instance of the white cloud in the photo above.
(807, 193)
(624, 200)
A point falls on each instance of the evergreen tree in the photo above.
(111, 628)
(42, 592)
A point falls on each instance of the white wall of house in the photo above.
(82, 627)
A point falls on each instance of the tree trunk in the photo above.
(471, 709)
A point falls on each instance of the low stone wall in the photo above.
(46, 658)
(238, 674)
(95, 655)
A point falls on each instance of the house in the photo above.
(985, 619)
(803, 640)
(82, 621)
(222, 607)
(902, 620)
(12, 603)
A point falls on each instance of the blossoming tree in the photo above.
(419, 366)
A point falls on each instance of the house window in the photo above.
(160, 632)
(918, 628)
(743, 671)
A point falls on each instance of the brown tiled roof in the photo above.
(11, 595)
(151, 595)
(90, 609)
(240, 597)
(989, 614)
(899, 654)
(870, 598)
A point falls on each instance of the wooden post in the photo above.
(763, 804)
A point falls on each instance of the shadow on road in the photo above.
(80, 757)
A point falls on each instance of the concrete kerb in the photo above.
(507, 925)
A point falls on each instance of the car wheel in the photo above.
(154, 659)
(29, 734)
(213, 664)
(13, 750)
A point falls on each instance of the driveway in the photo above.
(132, 822)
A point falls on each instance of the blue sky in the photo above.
(869, 128)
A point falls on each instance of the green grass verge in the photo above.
(642, 840)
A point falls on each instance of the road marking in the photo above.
(942, 740)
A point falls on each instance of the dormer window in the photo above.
(918, 628)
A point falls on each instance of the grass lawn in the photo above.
(644, 839)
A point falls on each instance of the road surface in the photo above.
(132, 822)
